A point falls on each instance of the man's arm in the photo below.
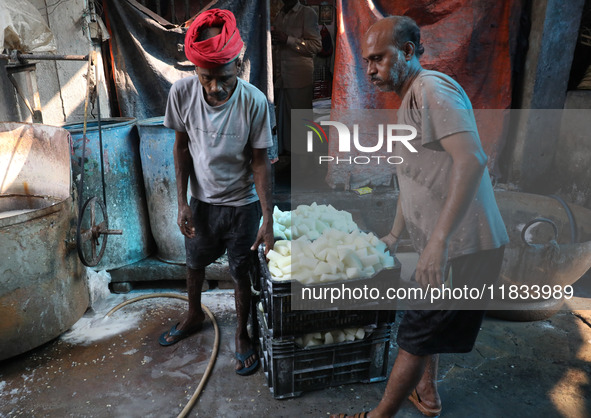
(261, 171)
(469, 162)
(398, 227)
(183, 164)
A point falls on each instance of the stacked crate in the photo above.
(291, 369)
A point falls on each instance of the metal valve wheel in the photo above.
(88, 238)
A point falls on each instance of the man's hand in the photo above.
(265, 235)
(391, 241)
(185, 221)
(431, 265)
(278, 37)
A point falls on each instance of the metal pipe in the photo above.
(31, 78)
(42, 57)
(188, 10)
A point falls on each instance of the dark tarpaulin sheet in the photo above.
(470, 40)
(146, 59)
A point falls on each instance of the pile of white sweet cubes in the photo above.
(304, 350)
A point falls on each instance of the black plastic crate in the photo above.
(283, 321)
(292, 370)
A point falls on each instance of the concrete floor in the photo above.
(114, 367)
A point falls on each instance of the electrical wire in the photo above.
(574, 236)
(84, 139)
(100, 132)
(214, 353)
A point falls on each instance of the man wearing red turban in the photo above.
(217, 50)
(223, 130)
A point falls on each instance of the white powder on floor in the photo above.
(25, 377)
(93, 326)
(90, 329)
(219, 301)
(545, 324)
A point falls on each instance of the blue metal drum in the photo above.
(156, 146)
(124, 186)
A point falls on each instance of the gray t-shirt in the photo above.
(221, 139)
(437, 107)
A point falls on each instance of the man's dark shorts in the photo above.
(425, 332)
(219, 228)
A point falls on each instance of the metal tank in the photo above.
(156, 143)
(549, 245)
(123, 182)
(43, 289)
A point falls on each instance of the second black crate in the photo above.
(292, 370)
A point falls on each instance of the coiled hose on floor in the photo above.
(216, 342)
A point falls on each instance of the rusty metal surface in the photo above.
(43, 57)
(42, 287)
(15, 209)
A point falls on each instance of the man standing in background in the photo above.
(297, 39)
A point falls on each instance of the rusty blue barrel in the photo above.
(156, 146)
(124, 186)
(43, 289)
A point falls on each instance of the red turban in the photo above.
(216, 51)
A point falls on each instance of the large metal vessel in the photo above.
(156, 143)
(123, 183)
(549, 245)
(43, 289)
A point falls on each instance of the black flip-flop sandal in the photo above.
(177, 335)
(245, 371)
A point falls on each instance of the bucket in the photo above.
(156, 151)
(43, 290)
(124, 186)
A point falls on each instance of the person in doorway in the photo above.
(297, 38)
(446, 204)
(223, 130)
